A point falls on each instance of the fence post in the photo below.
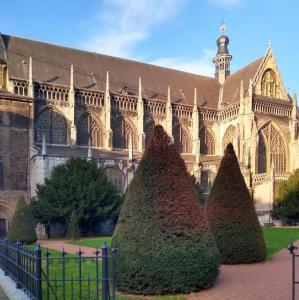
(38, 265)
(6, 257)
(105, 288)
(293, 275)
(18, 284)
(113, 275)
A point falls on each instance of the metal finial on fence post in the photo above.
(38, 265)
(105, 288)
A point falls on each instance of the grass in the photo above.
(93, 242)
(278, 238)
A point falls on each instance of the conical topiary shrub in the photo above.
(231, 215)
(23, 225)
(163, 241)
(73, 231)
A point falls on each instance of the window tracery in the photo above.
(89, 128)
(149, 129)
(122, 130)
(272, 152)
(116, 177)
(269, 85)
(229, 137)
(182, 139)
(207, 142)
(53, 125)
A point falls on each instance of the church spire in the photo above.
(222, 58)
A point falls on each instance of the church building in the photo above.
(58, 102)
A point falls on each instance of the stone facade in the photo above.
(43, 122)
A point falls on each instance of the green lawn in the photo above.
(277, 238)
(93, 242)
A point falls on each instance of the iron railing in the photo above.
(47, 274)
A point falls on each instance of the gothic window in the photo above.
(122, 130)
(269, 86)
(207, 142)
(228, 137)
(116, 177)
(271, 150)
(89, 128)
(182, 139)
(204, 181)
(1, 169)
(149, 129)
(53, 125)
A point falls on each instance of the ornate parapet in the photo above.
(270, 106)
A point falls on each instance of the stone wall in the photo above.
(15, 120)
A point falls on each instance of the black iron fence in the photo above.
(292, 248)
(48, 274)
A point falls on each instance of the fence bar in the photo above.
(293, 276)
(80, 273)
(63, 274)
(97, 274)
(38, 257)
(105, 287)
(18, 265)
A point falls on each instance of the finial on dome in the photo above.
(222, 27)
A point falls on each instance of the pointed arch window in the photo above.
(116, 177)
(89, 128)
(182, 139)
(53, 125)
(269, 86)
(229, 137)
(272, 152)
(149, 129)
(122, 130)
(207, 142)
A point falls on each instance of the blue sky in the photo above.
(175, 33)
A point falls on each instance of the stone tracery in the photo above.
(272, 151)
(53, 125)
(207, 141)
(89, 128)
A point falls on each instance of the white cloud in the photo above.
(227, 3)
(124, 23)
(202, 65)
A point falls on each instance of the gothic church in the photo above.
(58, 102)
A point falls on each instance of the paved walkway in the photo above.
(270, 280)
(68, 248)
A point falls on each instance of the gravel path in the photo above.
(269, 280)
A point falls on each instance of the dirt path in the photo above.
(68, 248)
(269, 280)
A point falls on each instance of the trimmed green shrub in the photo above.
(163, 241)
(232, 216)
(73, 231)
(23, 225)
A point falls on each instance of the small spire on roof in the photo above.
(195, 98)
(107, 81)
(72, 77)
(168, 95)
(139, 90)
(269, 44)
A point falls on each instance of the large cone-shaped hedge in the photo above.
(163, 241)
(231, 215)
